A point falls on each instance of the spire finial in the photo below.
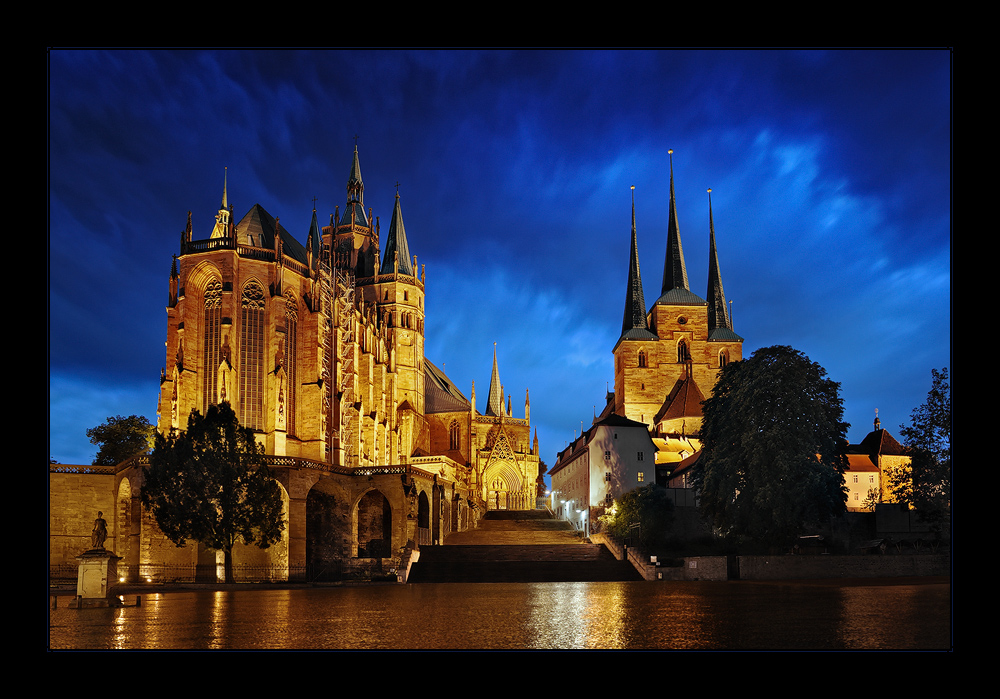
(878, 423)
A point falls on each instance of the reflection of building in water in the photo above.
(320, 350)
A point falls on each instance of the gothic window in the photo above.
(291, 342)
(212, 339)
(683, 355)
(723, 358)
(454, 435)
(251, 369)
(642, 359)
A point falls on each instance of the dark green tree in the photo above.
(120, 438)
(649, 507)
(928, 443)
(772, 461)
(210, 483)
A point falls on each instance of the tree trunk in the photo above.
(228, 566)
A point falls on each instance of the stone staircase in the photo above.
(519, 546)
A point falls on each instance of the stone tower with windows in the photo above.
(667, 360)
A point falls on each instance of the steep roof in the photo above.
(683, 401)
(675, 289)
(494, 404)
(720, 325)
(634, 324)
(258, 226)
(396, 243)
(440, 394)
(880, 442)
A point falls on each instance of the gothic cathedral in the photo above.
(320, 350)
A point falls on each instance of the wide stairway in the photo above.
(519, 546)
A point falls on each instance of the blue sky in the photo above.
(831, 191)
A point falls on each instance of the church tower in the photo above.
(667, 362)
(398, 294)
(636, 348)
(353, 237)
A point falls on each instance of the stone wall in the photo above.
(817, 567)
(74, 501)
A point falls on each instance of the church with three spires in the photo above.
(666, 362)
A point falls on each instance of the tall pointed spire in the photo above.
(494, 404)
(354, 211)
(720, 324)
(396, 245)
(634, 325)
(674, 270)
(718, 314)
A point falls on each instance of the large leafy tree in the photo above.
(649, 507)
(773, 461)
(928, 443)
(210, 483)
(120, 438)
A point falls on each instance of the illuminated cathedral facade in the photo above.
(320, 350)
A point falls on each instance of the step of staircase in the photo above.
(519, 546)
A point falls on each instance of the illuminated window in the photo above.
(212, 349)
(291, 341)
(251, 369)
(641, 476)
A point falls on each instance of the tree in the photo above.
(120, 438)
(211, 484)
(650, 507)
(928, 443)
(772, 461)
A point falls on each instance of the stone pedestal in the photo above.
(96, 577)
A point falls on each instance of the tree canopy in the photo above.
(928, 443)
(211, 484)
(120, 438)
(649, 507)
(773, 459)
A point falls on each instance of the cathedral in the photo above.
(319, 349)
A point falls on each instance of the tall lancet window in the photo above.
(291, 342)
(454, 435)
(251, 369)
(683, 355)
(212, 350)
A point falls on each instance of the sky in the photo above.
(830, 173)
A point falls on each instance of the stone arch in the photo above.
(127, 519)
(501, 485)
(373, 525)
(327, 531)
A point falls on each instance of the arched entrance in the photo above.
(374, 533)
(326, 532)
